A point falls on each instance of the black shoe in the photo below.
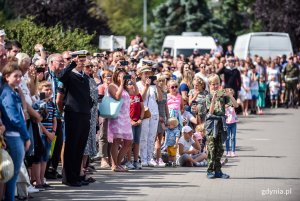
(58, 176)
(84, 183)
(73, 184)
(51, 175)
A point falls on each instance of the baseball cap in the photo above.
(198, 136)
(2, 32)
(186, 129)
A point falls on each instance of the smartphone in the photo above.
(194, 102)
(42, 96)
(152, 78)
(123, 63)
(40, 70)
(127, 77)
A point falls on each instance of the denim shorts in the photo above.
(273, 96)
(184, 158)
(136, 131)
(47, 146)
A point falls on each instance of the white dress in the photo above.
(246, 84)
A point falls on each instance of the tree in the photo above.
(177, 16)
(71, 14)
(280, 16)
(54, 39)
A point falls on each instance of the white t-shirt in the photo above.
(186, 144)
(151, 104)
(274, 87)
(272, 73)
(25, 89)
(187, 115)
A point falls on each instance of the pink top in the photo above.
(231, 116)
(174, 102)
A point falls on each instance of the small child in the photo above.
(274, 91)
(231, 120)
(136, 113)
(171, 141)
(48, 127)
(201, 130)
(215, 125)
(262, 89)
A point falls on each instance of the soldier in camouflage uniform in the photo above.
(291, 77)
(215, 125)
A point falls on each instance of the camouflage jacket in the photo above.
(291, 73)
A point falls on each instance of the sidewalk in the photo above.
(267, 168)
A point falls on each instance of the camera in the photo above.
(41, 108)
(80, 53)
(40, 70)
(221, 93)
(123, 63)
(98, 55)
(152, 78)
(127, 77)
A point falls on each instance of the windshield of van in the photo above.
(269, 43)
(189, 52)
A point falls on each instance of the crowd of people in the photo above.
(175, 111)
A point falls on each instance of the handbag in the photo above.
(109, 107)
(147, 113)
(6, 166)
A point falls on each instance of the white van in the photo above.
(265, 44)
(186, 44)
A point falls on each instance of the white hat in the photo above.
(2, 32)
(186, 129)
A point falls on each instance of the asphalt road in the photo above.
(267, 168)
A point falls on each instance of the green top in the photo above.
(220, 103)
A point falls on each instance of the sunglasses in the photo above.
(129, 83)
(108, 77)
(174, 87)
(68, 58)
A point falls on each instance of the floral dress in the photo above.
(201, 100)
(91, 147)
(120, 127)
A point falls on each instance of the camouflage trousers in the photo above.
(215, 153)
(291, 89)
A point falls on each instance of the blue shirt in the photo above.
(171, 136)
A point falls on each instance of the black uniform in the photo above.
(77, 120)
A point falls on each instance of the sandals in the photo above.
(119, 168)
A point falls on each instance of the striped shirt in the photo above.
(51, 110)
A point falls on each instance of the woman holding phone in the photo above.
(197, 96)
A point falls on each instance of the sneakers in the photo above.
(129, 166)
(210, 175)
(160, 163)
(104, 165)
(221, 175)
(152, 163)
(144, 164)
(200, 164)
(228, 154)
(137, 165)
(32, 189)
(223, 162)
(233, 154)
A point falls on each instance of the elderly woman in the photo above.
(91, 148)
(151, 94)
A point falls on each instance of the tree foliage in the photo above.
(280, 16)
(71, 14)
(176, 16)
(54, 39)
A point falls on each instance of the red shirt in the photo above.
(135, 107)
